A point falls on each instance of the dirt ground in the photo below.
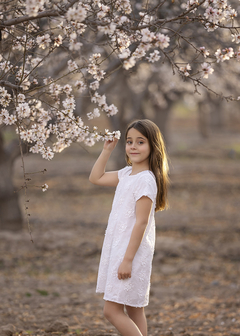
(195, 286)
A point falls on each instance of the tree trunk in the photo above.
(161, 119)
(10, 213)
(203, 122)
(217, 116)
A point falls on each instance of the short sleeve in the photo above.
(146, 186)
(124, 172)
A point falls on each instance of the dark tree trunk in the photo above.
(217, 116)
(10, 213)
(203, 122)
(161, 119)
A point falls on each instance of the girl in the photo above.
(126, 260)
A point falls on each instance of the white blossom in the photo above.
(94, 114)
(100, 100)
(223, 55)
(80, 86)
(72, 65)
(236, 38)
(77, 13)
(44, 187)
(94, 85)
(43, 41)
(6, 118)
(147, 36)
(47, 153)
(36, 62)
(6, 66)
(230, 14)
(107, 29)
(117, 134)
(67, 88)
(58, 41)
(23, 110)
(111, 110)
(162, 41)
(125, 53)
(74, 45)
(89, 142)
(33, 6)
(154, 57)
(228, 53)
(185, 69)
(128, 64)
(204, 51)
(207, 69)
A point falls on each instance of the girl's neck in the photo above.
(138, 168)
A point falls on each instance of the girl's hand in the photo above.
(125, 270)
(110, 145)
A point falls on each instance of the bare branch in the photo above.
(26, 18)
(11, 85)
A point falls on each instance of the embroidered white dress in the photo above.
(135, 290)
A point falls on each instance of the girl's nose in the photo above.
(133, 145)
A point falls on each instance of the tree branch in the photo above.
(10, 85)
(40, 15)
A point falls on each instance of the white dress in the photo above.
(135, 290)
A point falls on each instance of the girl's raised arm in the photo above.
(98, 175)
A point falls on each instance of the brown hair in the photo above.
(158, 162)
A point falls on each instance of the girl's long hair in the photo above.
(158, 162)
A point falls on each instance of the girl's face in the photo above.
(137, 147)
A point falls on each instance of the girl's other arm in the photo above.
(143, 210)
(98, 175)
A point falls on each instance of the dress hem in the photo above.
(123, 303)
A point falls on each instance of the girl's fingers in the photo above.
(110, 144)
(124, 276)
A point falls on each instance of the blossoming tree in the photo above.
(53, 52)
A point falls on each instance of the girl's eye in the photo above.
(129, 142)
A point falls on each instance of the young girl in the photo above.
(126, 260)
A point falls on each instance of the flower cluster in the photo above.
(148, 40)
(207, 69)
(223, 55)
(6, 118)
(5, 97)
(43, 41)
(185, 69)
(76, 13)
(101, 101)
(218, 11)
(94, 67)
(33, 6)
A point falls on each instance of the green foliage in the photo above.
(42, 292)
(234, 151)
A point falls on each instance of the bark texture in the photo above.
(10, 213)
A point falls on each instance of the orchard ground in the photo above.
(196, 270)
